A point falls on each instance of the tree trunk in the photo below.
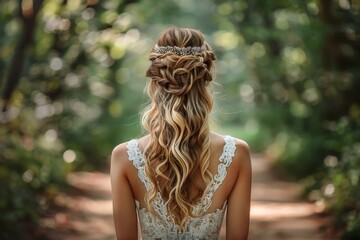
(27, 14)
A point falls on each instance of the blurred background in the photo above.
(72, 80)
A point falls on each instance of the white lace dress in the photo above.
(205, 227)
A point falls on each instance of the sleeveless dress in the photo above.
(206, 226)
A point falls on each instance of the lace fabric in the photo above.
(207, 226)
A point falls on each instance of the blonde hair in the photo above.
(177, 121)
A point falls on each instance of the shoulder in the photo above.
(119, 160)
(120, 150)
(242, 147)
(242, 156)
(241, 159)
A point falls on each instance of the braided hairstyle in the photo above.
(177, 121)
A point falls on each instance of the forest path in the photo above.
(276, 211)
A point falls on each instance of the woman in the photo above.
(180, 178)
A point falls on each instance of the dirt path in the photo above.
(276, 211)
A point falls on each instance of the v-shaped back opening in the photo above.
(137, 156)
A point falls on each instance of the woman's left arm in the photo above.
(125, 218)
(238, 211)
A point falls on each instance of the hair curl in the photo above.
(177, 121)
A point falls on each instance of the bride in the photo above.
(180, 179)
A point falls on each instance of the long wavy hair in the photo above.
(177, 121)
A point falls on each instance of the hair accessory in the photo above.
(181, 51)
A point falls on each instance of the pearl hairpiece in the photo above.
(181, 51)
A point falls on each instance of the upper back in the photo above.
(212, 205)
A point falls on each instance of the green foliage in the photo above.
(305, 84)
(297, 156)
(30, 176)
(338, 185)
(64, 114)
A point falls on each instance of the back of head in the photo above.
(177, 120)
(180, 58)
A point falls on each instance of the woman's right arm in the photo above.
(125, 218)
(238, 213)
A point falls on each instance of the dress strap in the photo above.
(225, 160)
(137, 158)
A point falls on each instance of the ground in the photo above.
(276, 211)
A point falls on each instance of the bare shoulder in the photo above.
(119, 156)
(242, 158)
(119, 160)
(241, 147)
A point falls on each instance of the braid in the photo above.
(177, 121)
